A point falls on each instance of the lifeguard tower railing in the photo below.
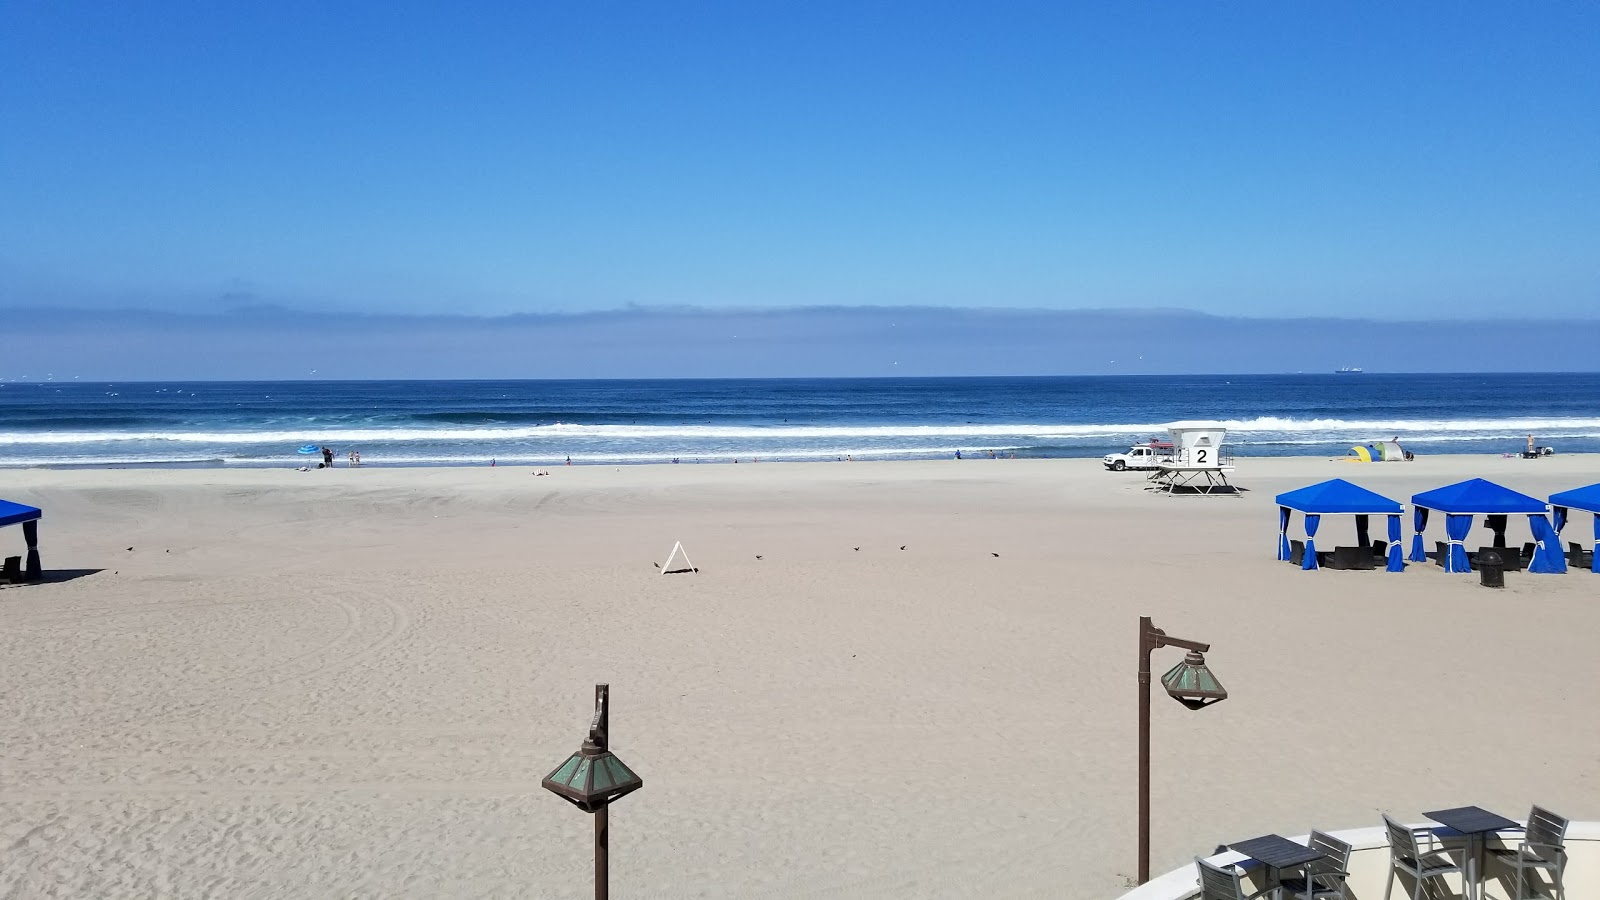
(1204, 457)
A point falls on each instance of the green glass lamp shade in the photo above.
(1192, 684)
(592, 778)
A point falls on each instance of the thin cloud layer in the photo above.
(269, 343)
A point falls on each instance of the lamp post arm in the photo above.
(1164, 641)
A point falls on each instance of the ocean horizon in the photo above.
(639, 421)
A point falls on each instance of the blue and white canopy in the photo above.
(1460, 502)
(1586, 499)
(28, 518)
(1338, 497)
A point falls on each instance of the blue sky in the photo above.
(1245, 159)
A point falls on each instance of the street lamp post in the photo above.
(1190, 683)
(592, 779)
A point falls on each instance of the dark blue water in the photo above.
(543, 422)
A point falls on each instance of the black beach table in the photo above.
(1472, 823)
(1277, 853)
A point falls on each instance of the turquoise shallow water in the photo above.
(544, 422)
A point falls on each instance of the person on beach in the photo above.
(327, 458)
(569, 460)
(353, 459)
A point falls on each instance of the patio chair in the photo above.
(1440, 552)
(1577, 557)
(1352, 558)
(1297, 552)
(1324, 877)
(1421, 860)
(1540, 848)
(1527, 551)
(1223, 883)
(11, 573)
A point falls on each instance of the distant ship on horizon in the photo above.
(1347, 370)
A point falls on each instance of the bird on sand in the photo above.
(995, 555)
(857, 548)
(758, 556)
(902, 546)
(656, 564)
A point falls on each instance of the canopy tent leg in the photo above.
(30, 533)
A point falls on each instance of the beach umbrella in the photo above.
(309, 449)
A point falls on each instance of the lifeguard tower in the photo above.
(1199, 463)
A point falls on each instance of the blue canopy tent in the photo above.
(28, 518)
(1460, 502)
(1586, 499)
(1338, 497)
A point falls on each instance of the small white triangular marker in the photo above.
(677, 548)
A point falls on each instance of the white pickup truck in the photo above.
(1139, 456)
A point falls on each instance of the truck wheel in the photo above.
(1118, 466)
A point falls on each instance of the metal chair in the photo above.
(1352, 558)
(1223, 883)
(1541, 848)
(1324, 877)
(1408, 853)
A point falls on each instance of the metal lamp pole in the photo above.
(592, 779)
(597, 734)
(1151, 638)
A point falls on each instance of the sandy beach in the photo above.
(348, 683)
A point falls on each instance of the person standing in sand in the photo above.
(327, 457)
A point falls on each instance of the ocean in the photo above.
(459, 423)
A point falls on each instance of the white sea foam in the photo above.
(1435, 429)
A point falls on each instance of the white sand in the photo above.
(349, 683)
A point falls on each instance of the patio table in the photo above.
(1472, 823)
(1277, 853)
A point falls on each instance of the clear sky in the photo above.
(1408, 160)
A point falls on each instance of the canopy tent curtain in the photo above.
(1455, 530)
(1547, 555)
(30, 535)
(1496, 522)
(1283, 534)
(1312, 521)
(1397, 562)
(1419, 521)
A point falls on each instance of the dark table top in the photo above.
(1471, 820)
(1276, 851)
